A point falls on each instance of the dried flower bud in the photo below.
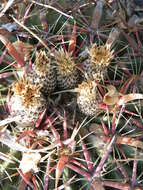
(43, 73)
(88, 97)
(67, 74)
(26, 102)
(100, 56)
(99, 59)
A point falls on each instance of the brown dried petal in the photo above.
(112, 96)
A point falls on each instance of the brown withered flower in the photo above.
(112, 96)
(99, 59)
(100, 56)
(27, 102)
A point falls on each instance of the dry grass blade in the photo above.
(30, 32)
(8, 5)
(53, 8)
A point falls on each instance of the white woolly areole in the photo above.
(29, 162)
